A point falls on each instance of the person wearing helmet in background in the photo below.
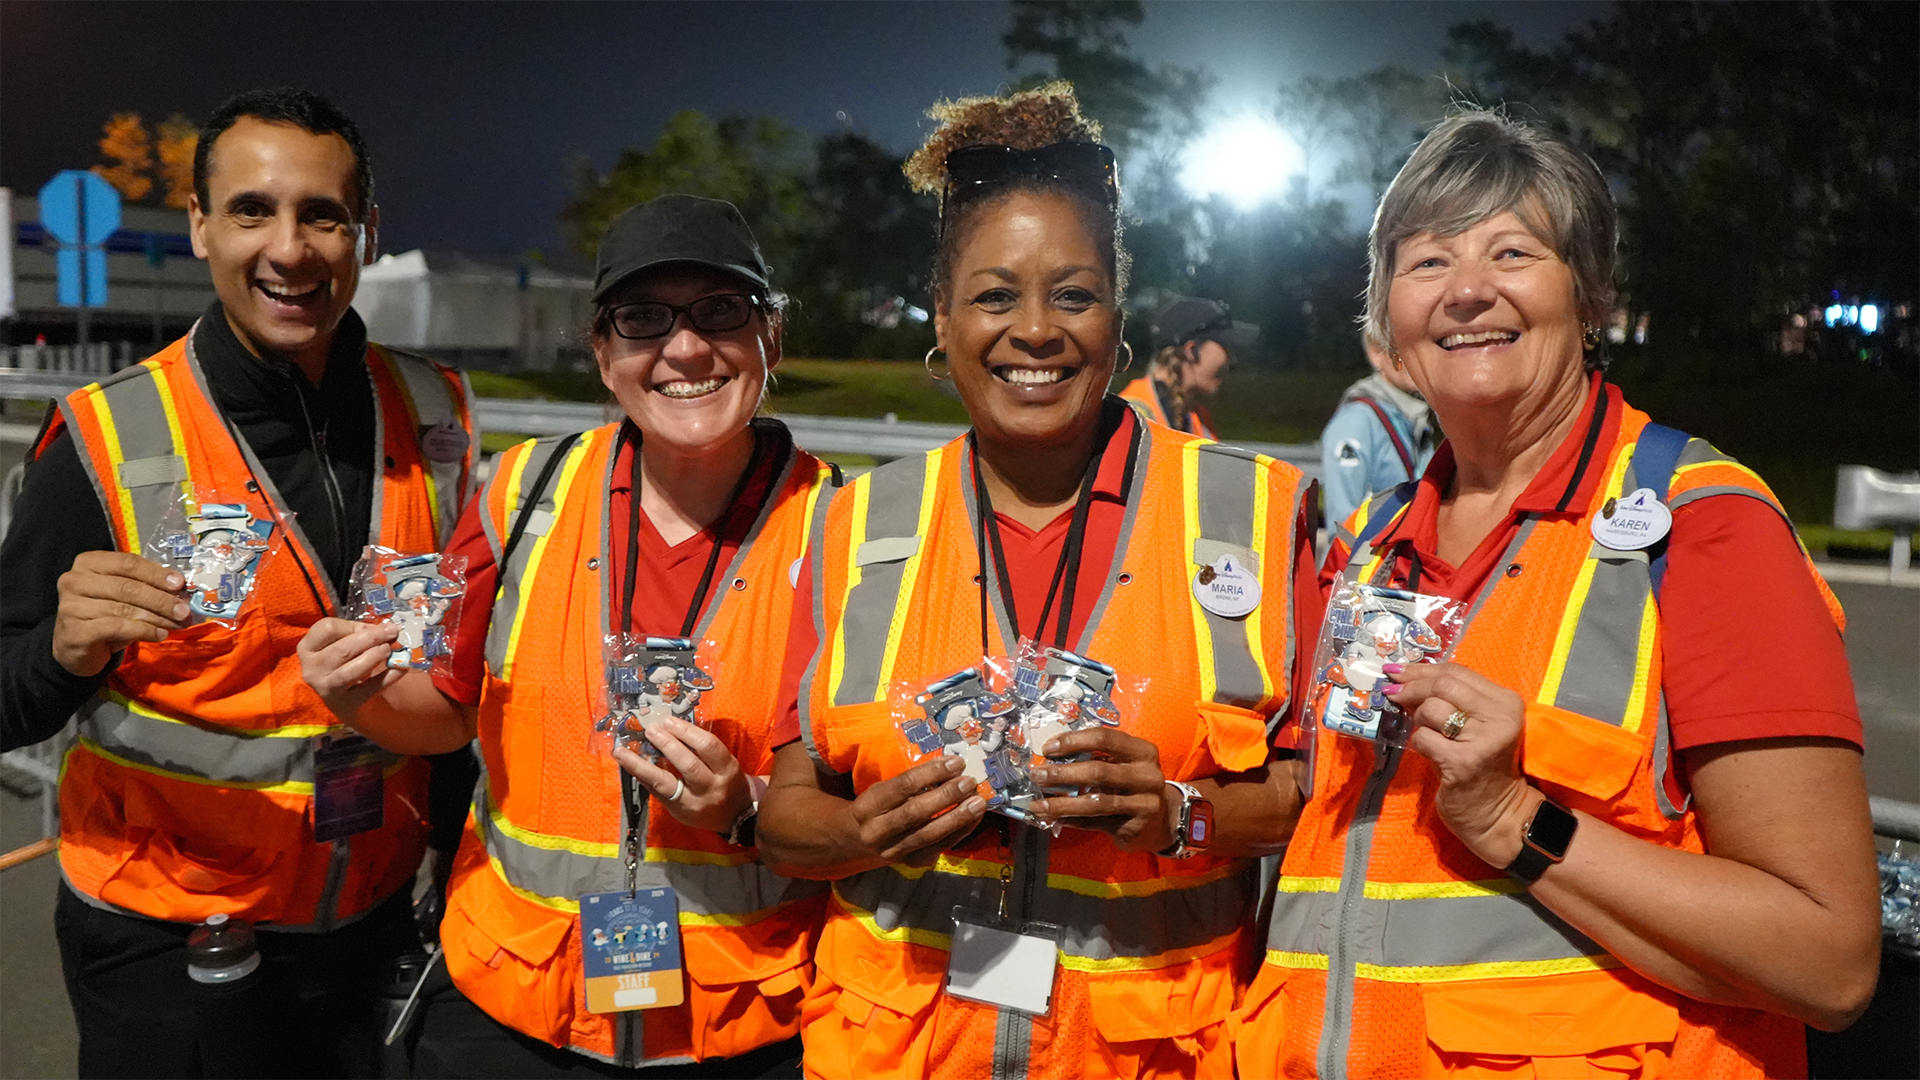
(1194, 341)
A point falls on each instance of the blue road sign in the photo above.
(68, 263)
(78, 207)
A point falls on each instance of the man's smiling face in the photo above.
(282, 237)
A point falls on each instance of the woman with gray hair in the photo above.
(1631, 836)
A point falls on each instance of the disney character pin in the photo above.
(1633, 522)
(218, 555)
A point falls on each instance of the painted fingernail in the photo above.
(1392, 688)
(1393, 669)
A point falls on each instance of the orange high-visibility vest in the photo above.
(188, 792)
(1146, 401)
(1149, 946)
(1395, 952)
(548, 824)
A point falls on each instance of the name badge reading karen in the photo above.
(1227, 588)
(630, 944)
(1632, 522)
(1002, 967)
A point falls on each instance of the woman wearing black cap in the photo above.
(621, 583)
(1194, 342)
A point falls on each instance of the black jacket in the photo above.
(316, 443)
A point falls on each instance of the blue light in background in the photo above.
(1869, 318)
(1833, 314)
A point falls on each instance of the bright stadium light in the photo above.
(1246, 160)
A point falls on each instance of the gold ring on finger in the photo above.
(1454, 725)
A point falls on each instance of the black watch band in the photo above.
(1544, 842)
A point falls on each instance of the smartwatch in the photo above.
(1544, 841)
(1194, 830)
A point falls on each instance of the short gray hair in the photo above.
(1477, 165)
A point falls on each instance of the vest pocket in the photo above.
(510, 957)
(1567, 1024)
(1165, 1003)
(1236, 737)
(1578, 752)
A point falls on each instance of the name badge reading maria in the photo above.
(1227, 588)
(1632, 522)
(630, 943)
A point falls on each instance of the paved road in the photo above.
(36, 1028)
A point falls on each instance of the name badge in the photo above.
(1226, 588)
(630, 944)
(1632, 522)
(1003, 967)
(444, 442)
(349, 787)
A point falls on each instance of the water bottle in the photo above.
(222, 950)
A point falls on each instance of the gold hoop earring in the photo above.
(927, 362)
(1127, 345)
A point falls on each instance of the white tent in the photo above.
(442, 303)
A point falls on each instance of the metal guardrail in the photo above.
(1866, 498)
(1894, 819)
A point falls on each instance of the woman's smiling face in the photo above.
(1485, 316)
(1030, 328)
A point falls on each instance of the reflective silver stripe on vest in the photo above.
(1598, 677)
(704, 889)
(1439, 932)
(1093, 928)
(1224, 490)
(222, 756)
(816, 576)
(894, 492)
(434, 404)
(511, 578)
(139, 417)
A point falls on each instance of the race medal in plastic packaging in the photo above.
(1009, 967)
(420, 594)
(630, 945)
(219, 547)
(1062, 692)
(648, 679)
(349, 786)
(1368, 627)
(961, 716)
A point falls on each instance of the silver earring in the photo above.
(1591, 336)
(1129, 365)
(927, 362)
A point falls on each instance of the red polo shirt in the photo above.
(1749, 648)
(665, 578)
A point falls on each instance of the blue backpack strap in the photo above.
(1655, 455)
(1381, 515)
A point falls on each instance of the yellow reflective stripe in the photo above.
(860, 490)
(413, 421)
(1577, 599)
(1299, 961)
(1498, 969)
(909, 576)
(1642, 665)
(548, 842)
(1440, 890)
(557, 903)
(1309, 884)
(820, 483)
(291, 787)
(103, 413)
(685, 856)
(165, 389)
(1148, 963)
(1190, 517)
(291, 731)
(1721, 463)
(1113, 890)
(947, 864)
(903, 935)
(1256, 620)
(527, 580)
(689, 918)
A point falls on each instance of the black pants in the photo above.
(308, 1010)
(458, 1039)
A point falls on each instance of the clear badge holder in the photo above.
(1368, 627)
(420, 594)
(1003, 964)
(219, 547)
(648, 680)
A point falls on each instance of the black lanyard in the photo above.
(1066, 572)
(629, 787)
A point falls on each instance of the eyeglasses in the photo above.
(973, 170)
(712, 314)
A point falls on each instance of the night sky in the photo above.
(473, 111)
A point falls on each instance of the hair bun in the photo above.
(1026, 120)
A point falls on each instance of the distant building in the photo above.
(475, 313)
(155, 287)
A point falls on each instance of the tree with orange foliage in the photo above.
(126, 145)
(177, 138)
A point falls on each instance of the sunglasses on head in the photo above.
(975, 170)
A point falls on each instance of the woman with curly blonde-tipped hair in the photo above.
(1098, 929)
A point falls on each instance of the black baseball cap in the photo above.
(677, 229)
(1189, 318)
